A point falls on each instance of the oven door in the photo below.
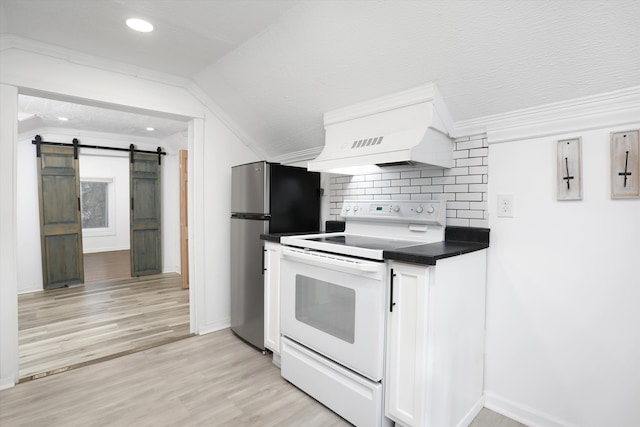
(335, 306)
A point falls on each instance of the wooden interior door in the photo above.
(145, 192)
(60, 217)
(184, 219)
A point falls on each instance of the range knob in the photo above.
(347, 208)
(355, 208)
(430, 209)
(396, 208)
(419, 209)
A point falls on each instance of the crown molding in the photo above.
(609, 109)
(298, 156)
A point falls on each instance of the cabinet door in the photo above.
(407, 336)
(271, 255)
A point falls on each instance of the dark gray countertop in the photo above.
(458, 241)
(429, 253)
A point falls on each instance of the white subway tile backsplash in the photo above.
(478, 188)
(426, 173)
(410, 174)
(480, 223)
(472, 197)
(432, 189)
(469, 179)
(464, 186)
(479, 152)
(458, 205)
(478, 170)
(443, 196)
(461, 154)
(459, 222)
(456, 188)
(471, 214)
(469, 145)
(415, 189)
(400, 197)
(421, 181)
(443, 180)
(480, 206)
(391, 175)
(456, 171)
(421, 196)
(476, 161)
(390, 190)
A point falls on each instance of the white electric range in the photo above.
(334, 291)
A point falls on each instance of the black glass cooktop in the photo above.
(365, 242)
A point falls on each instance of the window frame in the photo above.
(110, 230)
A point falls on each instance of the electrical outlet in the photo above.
(505, 205)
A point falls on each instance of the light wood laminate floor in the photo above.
(107, 265)
(208, 380)
(67, 328)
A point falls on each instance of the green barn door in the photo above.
(146, 255)
(60, 218)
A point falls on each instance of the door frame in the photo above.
(9, 92)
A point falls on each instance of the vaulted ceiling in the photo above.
(275, 66)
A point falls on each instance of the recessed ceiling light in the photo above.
(150, 129)
(63, 119)
(139, 25)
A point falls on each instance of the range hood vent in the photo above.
(407, 128)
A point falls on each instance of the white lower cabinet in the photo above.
(435, 342)
(272, 253)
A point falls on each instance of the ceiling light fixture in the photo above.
(139, 25)
(63, 119)
(150, 129)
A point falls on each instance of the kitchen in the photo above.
(561, 348)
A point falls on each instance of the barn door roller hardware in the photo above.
(76, 145)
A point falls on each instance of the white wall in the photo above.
(115, 169)
(563, 308)
(213, 148)
(95, 164)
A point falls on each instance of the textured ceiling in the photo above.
(39, 112)
(276, 66)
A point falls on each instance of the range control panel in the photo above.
(417, 212)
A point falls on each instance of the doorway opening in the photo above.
(110, 313)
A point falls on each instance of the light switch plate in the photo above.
(505, 205)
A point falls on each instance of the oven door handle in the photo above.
(329, 260)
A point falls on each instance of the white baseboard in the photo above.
(522, 413)
(213, 327)
(475, 410)
(6, 383)
(30, 289)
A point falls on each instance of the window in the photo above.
(96, 200)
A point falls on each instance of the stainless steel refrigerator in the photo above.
(265, 198)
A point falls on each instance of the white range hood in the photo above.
(409, 127)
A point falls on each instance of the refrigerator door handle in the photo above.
(264, 254)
